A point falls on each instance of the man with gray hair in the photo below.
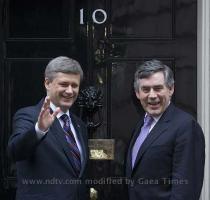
(166, 154)
(49, 143)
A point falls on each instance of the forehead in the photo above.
(154, 79)
(66, 77)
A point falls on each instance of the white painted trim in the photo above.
(203, 94)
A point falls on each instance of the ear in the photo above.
(137, 95)
(47, 83)
(171, 90)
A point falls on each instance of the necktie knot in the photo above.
(66, 121)
(148, 120)
(65, 118)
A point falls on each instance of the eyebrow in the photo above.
(144, 86)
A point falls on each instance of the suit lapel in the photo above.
(158, 129)
(129, 157)
(80, 137)
(57, 131)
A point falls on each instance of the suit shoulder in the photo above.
(182, 115)
(78, 120)
(186, 120)
(28, 112)
(26, 109)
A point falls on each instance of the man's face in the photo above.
(63, 89)
(153, 94)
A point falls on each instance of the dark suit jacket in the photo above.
(170, 163)
(44, 169)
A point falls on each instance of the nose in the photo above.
(152, 94)
(69, 89)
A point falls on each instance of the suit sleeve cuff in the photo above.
(39, 132)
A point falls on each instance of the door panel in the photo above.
(33, 32)
(40, 19)
(152, 19)
(137, 31)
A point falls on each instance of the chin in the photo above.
(154, 113)
(66, 105)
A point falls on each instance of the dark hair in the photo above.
(150, 67)
(63, 64)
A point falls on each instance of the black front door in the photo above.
(109, 39)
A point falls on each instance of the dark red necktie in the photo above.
(72, 143)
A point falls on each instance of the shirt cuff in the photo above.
(39, 132)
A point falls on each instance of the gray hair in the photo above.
(64, 65)
(150, 67)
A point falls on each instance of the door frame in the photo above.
(203, 82)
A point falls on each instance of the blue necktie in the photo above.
(72, 143)
(142, 136)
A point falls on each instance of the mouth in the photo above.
(67, 98)
(154, 105)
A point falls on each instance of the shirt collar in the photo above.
(53, 107)
(155, 118)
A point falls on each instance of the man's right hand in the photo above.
(45, 118)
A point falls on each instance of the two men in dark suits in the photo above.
(49, 143)
(167, 151)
